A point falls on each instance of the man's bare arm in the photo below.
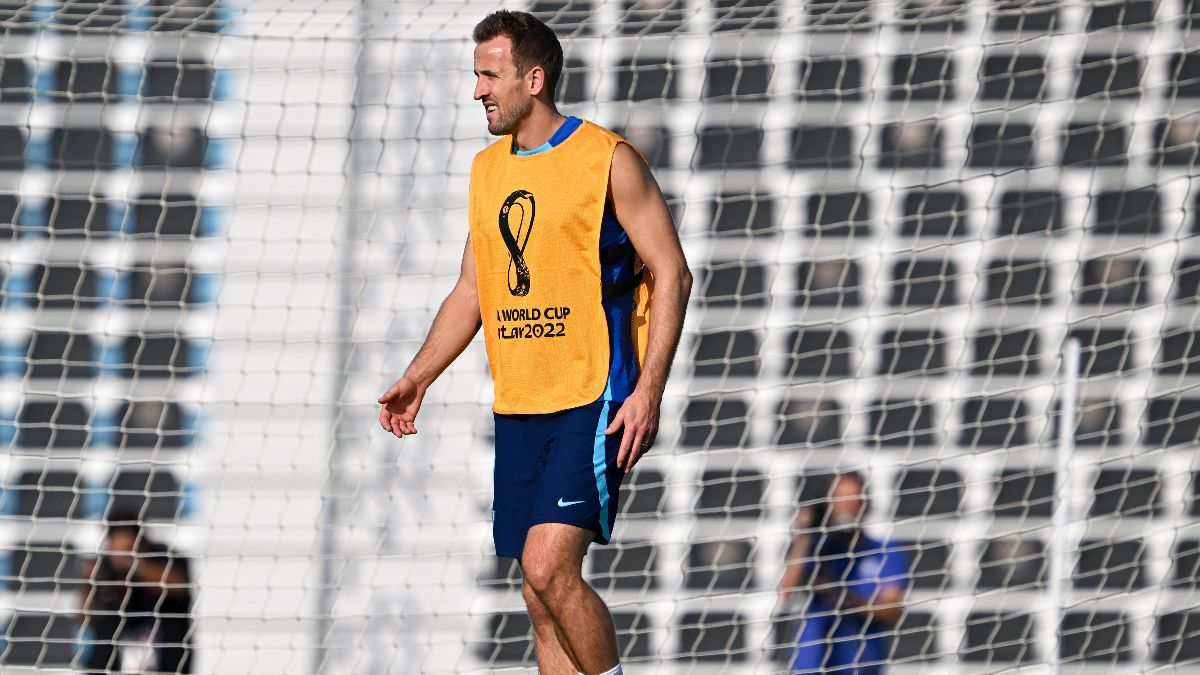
(454, 326)
(642, 212)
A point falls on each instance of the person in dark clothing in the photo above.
(855, 582)
(135, 587)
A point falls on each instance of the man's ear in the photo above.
(536, 80)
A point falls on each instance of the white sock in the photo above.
(615, 671)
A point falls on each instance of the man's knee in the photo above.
(549, 582)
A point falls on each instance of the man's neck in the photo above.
(538, 128)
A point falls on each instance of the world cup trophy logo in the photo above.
(520, 201)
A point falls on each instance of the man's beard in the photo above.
(508, 119)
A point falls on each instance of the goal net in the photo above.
(226, 226)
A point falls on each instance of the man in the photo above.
(136, 587)
(857, 586)
(569, 235)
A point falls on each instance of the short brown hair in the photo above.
(533, 43)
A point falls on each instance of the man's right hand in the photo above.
(400, 405)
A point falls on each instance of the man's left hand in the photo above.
(638, 416)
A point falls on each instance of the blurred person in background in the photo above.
(855, 585)
(136, 590)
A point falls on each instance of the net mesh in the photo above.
(225, 227)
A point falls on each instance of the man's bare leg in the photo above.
(552, 655)
(553, 566)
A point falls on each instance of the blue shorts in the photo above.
(555, 468)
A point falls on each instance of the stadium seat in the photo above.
(742, 214)
(1012, 76)
(934, 213)
(929, 563)
(645, 78)
(1183, 74)
(1012, 563)
(1018, 281)
(913, 352)
(643, 494)
(16, 79)
(1135, 212)
(838, 15)
(1185, 565)
(741, 79)
(152, 425)
(1172, 420)
(635, 631)
(915, 639)
(53, 425)
(41, 567)
(1104, 350)
(1173, 641)
(166, 215)
(828, 283)
(70, 286)
(1095, 144)
(81, 149)
(1007, 145)
(922, 77)
(711, 636)
(628, 566)
(47, 494)
(40, 640)
(72, 216)
(1180, 352)
(1125, 15)
(998, 637)
(732, 284)
(901, 423)
(1095, 637)
(918, 283)
(56, 355)
(717, 567)
(745, 15)
(838, 214)
(730, 494)
(925, 493)
(823, 148)
(1006, 352)
(830, 77)
(1024, 493)
(509, 641)
(911, 145)
(178, 80)
(154, 494)
(1030, 17)
(715, 423)
(1126, 492)
(1029, 212)
(724, 354)
(729, 148)
(652, 18)
(1109, 75)
(810, 422)
(994, 422)
(818, 353)
(1110, 565)
(80, 81)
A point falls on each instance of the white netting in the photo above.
(225, 227)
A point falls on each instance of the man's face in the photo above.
(121, 544)
(503, 92)
(846, 500)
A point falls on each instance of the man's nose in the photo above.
(480, 90)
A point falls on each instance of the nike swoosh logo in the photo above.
(562, 503)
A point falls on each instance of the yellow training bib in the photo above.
(535, 233)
